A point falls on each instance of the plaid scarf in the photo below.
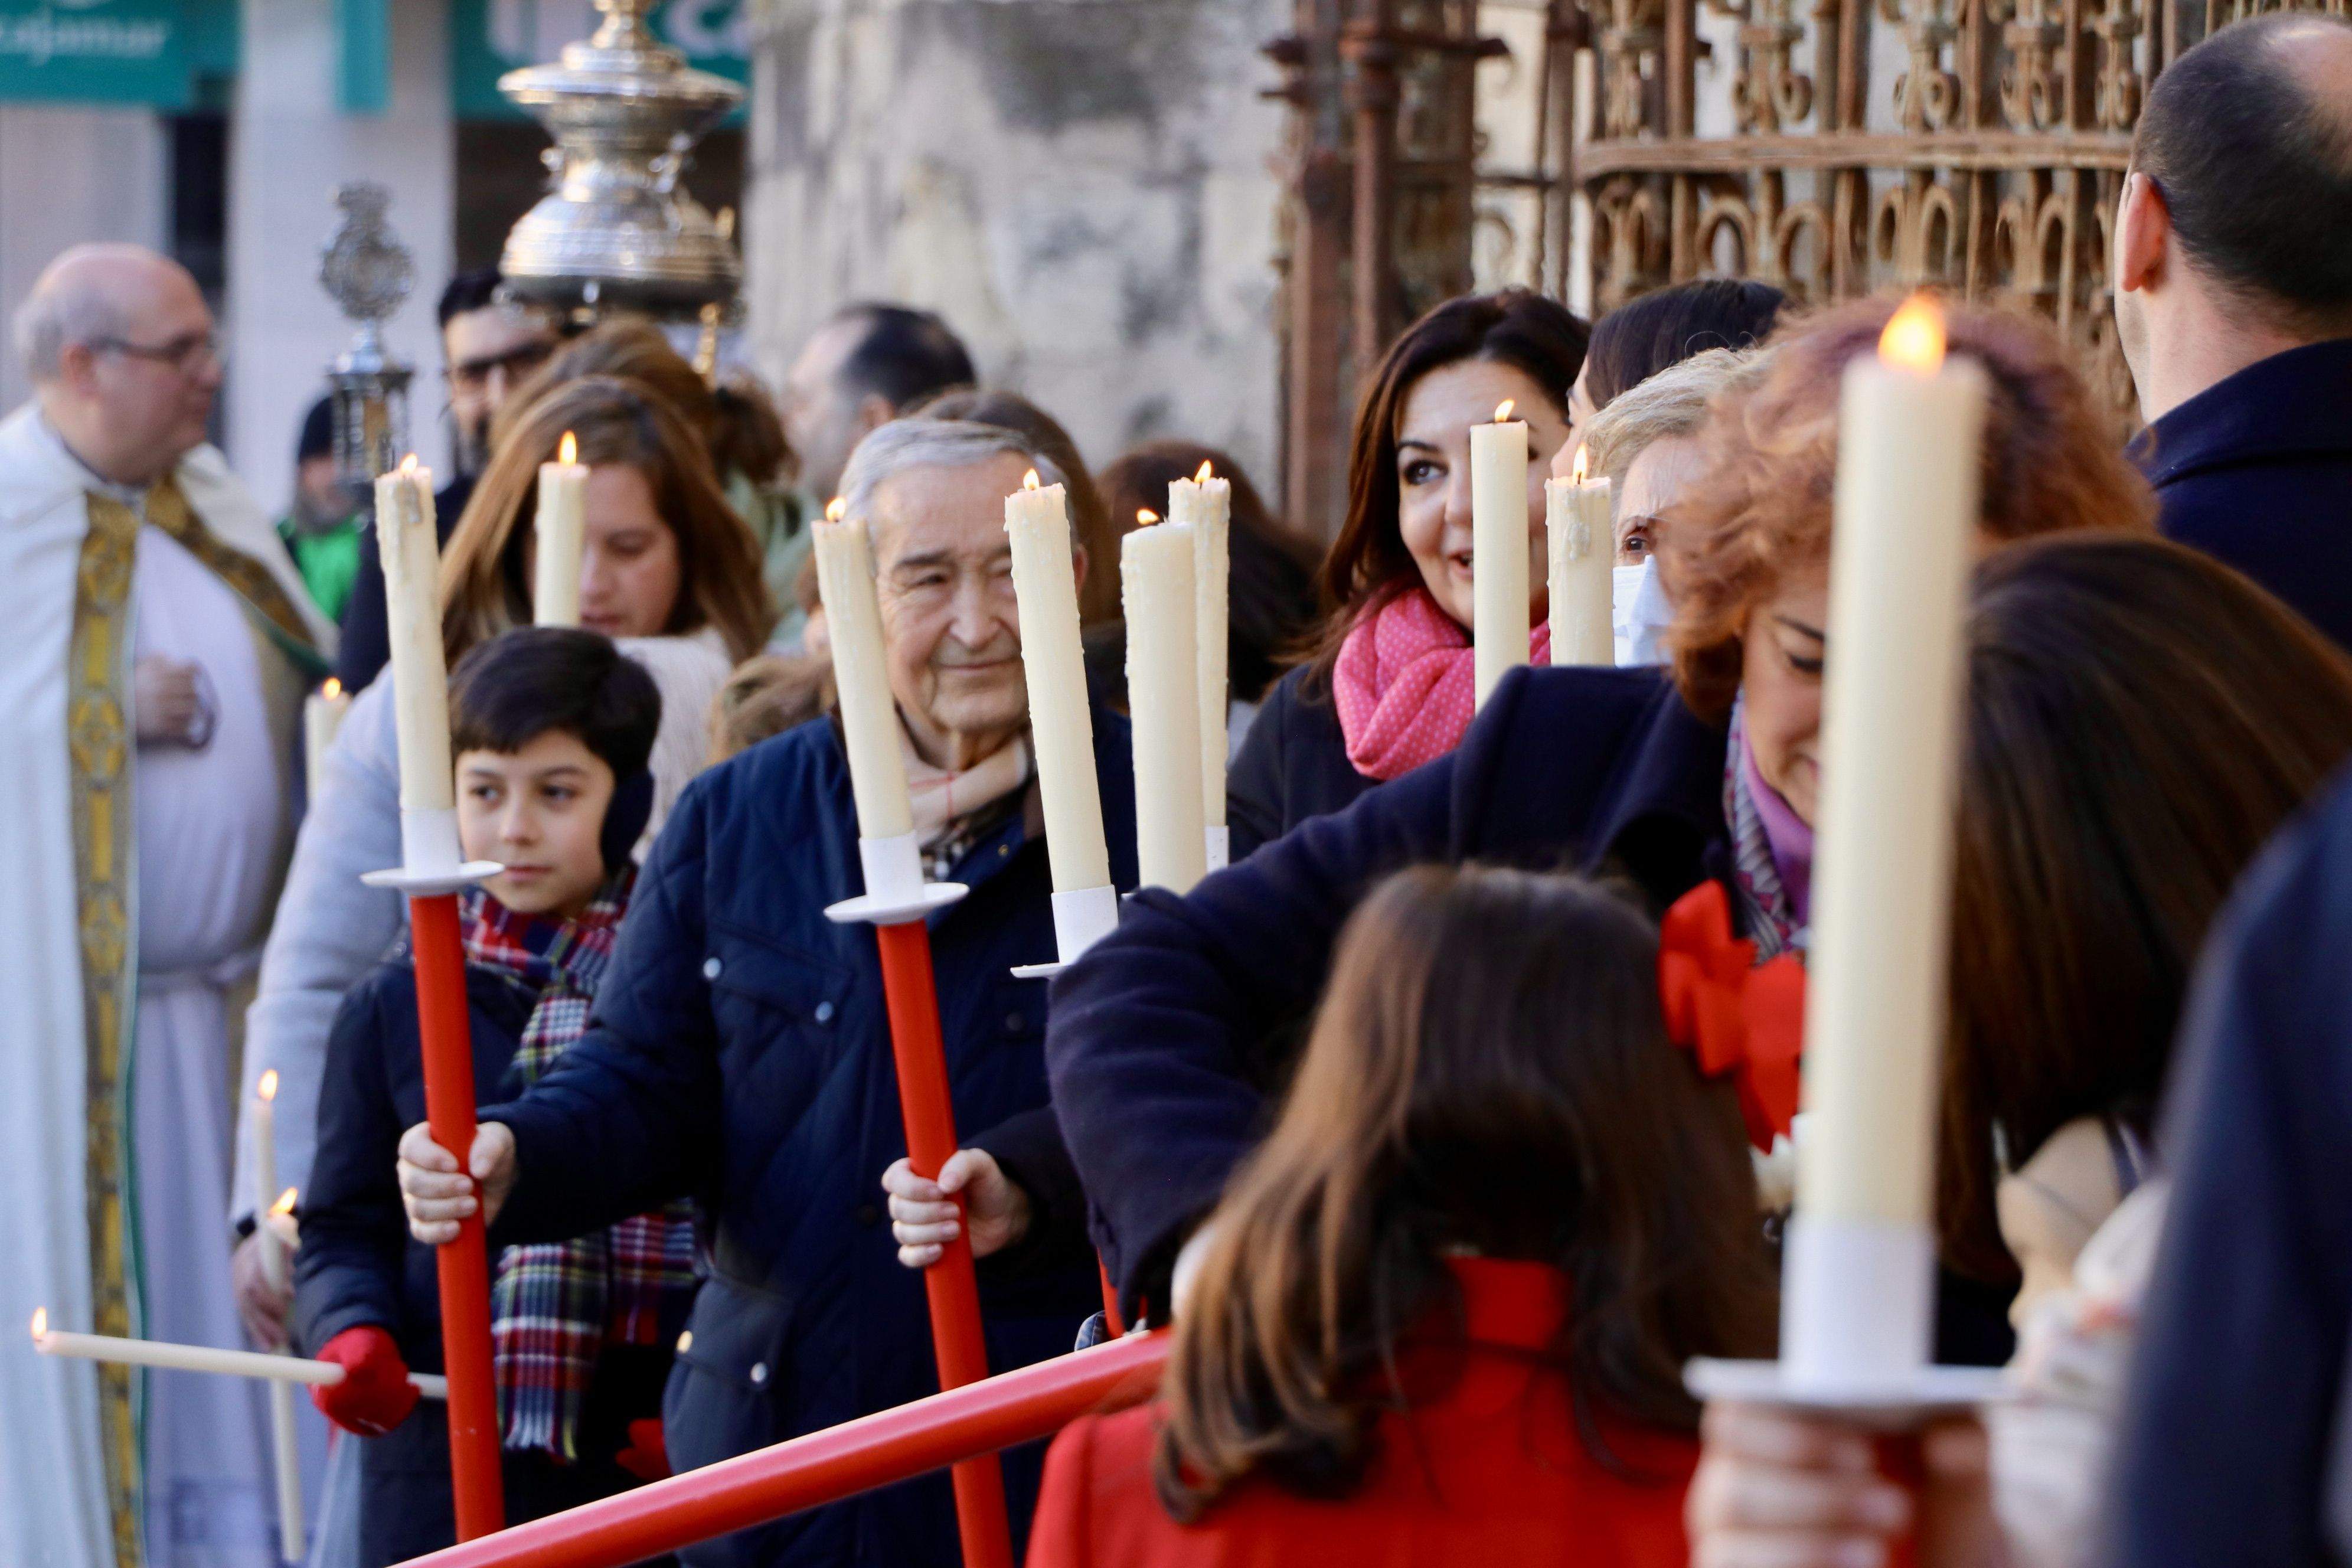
(1768, 915)
(555, 1307)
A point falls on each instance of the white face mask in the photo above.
(1640, 613)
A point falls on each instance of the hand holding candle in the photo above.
(1498, 548)
(560, 536)
(1581, 550)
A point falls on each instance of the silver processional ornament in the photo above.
(619, 231)
(369, 272)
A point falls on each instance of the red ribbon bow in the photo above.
(1731, 1015)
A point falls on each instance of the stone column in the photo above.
(290, 147)
(70, 175)
(1083, 189)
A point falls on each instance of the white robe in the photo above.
(210, 825)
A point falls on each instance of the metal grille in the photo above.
(1831, 147)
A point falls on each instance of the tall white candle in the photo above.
(1204, 503)
(1163, 705)
(205, 1358)
(1498, 548)
(265, 1174)
(560, 537)
(420, 679)
(1580, 548)
(869, 716)
(1910, 424)
(323, 713)
(1061, 729)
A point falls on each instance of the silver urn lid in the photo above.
(619, 230)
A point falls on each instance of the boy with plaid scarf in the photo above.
(551, 729)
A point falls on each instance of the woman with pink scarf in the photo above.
(1387, 684)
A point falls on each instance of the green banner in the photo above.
(161, 53)
(488, 38)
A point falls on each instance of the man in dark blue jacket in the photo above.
(2233, 301)
(2236, 1444)
(740, 1051)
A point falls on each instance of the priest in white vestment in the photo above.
(154, 645)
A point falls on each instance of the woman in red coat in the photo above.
(1440, 1316)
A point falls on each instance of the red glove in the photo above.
(375, 1395)
(647, 1456)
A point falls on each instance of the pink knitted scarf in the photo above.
(1405, 683)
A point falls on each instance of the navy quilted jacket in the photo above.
(739, 1054)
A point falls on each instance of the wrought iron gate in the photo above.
(1829, 146)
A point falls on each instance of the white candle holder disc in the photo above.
(895, 892)
(1895, 1403)
(431, 861)
(1082, 917)
(1856, 1322)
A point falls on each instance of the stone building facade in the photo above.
(1087, 190)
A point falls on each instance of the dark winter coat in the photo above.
(739, 1054)
(2236, 1435)
(2257, 471)
(1293, 765)
(1170, 1035)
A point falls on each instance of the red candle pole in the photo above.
(952, 1286)
(464, 1263)
(877, 1450)
(431, 879)
(896, 903)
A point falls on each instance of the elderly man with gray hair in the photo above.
(159, 643)
(741, 1050)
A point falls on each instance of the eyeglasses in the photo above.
(194, 351)
(474, 374)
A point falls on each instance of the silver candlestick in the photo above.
(618, 230)
(369, 272)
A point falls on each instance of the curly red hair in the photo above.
(2050, 464)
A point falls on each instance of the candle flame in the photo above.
(332, 689)
(408, 464)
(1145, 517)
(1914, 337)
(567, 451)
(1207, 473)
(268, 1087)
(1029, 480)
(1583, 464)
(835, 508)
(40, 1324)
(1503, 409)
(285, 1204)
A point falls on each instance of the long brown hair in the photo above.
(484, 587)
(733, 415)
(1367, 563)
(2141, 718)
(1490, 1070)
(1762, 510)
